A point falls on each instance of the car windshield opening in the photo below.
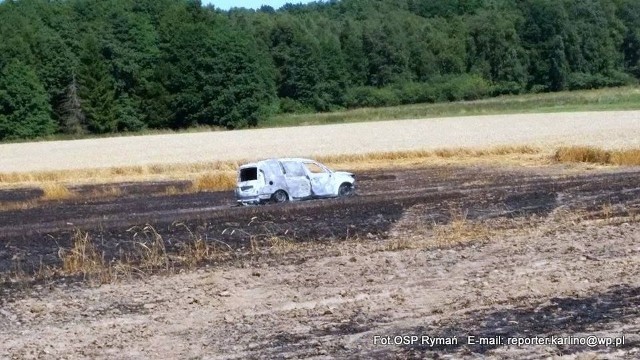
(315, 168)
(248, 174)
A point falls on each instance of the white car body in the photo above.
(290, 179)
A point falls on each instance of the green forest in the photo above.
(106, 66)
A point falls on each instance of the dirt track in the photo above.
(550, 252)
(608, 129)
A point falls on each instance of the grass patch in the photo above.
(419, 154)
(55, 191)
(117, 174)
(394, 158)
(588, 154)
(105, 192)
(623, 98)
(626, 157)
(280, 245)
(148, 255)
(18, 205)
(460, 231)
(214, 182)
(173, 190)
(401, 243)
(83, 258)
(196, 252)
(152, 250)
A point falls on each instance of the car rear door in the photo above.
(250, 181)
(298, 185)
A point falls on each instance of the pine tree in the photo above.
(73, 118)
(96, 89)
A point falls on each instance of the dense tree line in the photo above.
(96, 66)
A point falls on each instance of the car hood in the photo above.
(344, 173)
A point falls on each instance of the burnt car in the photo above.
(290, 179)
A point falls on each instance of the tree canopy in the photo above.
(95, 66)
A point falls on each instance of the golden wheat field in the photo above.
(611, 129)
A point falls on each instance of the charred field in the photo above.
(437, 251)
(33, 237)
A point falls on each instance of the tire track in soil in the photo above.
(36, 235)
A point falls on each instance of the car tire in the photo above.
(279, 196)
(345, 190)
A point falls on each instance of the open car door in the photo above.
(298, 185)
(320, 178)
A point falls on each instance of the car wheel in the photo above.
(345, 189)
(279, 197)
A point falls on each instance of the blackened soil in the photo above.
(15, 195)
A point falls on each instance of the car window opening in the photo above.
(248, 174)
(315, 168)
(293, 169)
